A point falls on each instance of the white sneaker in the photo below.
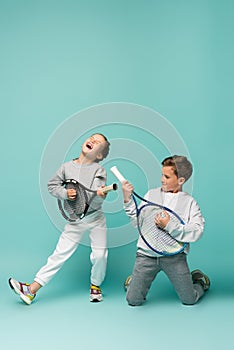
(95, 294)
(22, 289)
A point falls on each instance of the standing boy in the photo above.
(190, 287)
(86, 170)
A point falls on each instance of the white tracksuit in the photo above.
(92, 176)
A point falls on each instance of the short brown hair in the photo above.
(181, 166)
(106, 148)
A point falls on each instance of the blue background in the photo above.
(60, 57)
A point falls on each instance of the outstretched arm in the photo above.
(127, 189)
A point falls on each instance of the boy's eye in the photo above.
(95, 141)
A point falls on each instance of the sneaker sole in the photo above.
(95, 299)
(18, 291)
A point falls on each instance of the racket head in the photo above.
(157, 239)
(72, 210)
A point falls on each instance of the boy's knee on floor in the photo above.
(190, 299)
(130, 303)
(134, 302)
(189, 302)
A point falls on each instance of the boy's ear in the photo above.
(99, 156)
(181, 180)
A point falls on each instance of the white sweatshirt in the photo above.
(184, 205)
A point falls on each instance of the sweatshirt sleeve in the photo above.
(55, 184)
(193, 228)
(130, 210)
(99, 180)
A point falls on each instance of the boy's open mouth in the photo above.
(89, 145)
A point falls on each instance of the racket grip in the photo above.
(109, 188)
(116, 172)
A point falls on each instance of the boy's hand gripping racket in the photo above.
(73, 210)
(157, 239)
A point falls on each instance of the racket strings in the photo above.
(76, 206)
(158, 239)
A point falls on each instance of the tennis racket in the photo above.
(73, 210)
(157, 239)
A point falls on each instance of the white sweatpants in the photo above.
(68, 243)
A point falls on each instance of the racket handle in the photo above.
(109, 188)
(116, 172)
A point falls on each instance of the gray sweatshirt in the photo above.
(184, 205)
(92, 176)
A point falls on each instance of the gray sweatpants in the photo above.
(175, 267)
